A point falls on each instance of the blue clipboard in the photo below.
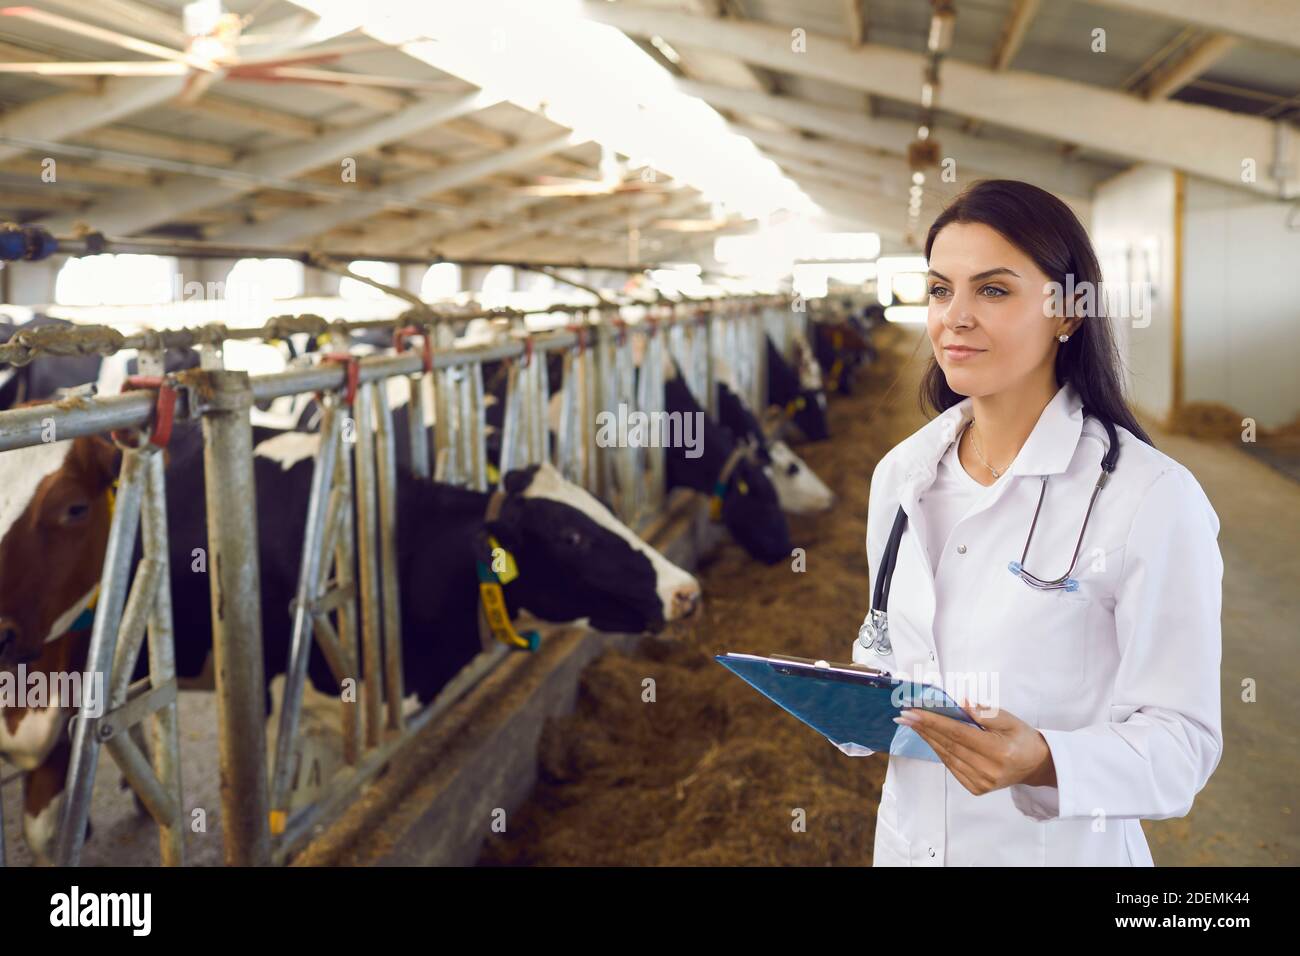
(846, 703)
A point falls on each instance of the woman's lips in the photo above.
(960, 353)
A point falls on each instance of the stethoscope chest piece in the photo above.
(875, 630)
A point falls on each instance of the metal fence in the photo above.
(355, 623)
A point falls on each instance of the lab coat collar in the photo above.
(1048, 450)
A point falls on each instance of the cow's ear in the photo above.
(516, 482)
(103, 460)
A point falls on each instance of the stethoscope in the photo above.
(875, 629)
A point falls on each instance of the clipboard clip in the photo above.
(861, 668)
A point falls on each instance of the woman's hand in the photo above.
(1008, 751)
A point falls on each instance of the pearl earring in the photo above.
(1063, 337)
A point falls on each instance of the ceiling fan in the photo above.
(214, 47)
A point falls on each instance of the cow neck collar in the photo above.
(86, 619)
(494, 621)
(738, 453)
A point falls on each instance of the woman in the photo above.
(1098, 697)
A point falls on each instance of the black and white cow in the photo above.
(575, 559)
(751, 509)
(805, 407)
(799, 489)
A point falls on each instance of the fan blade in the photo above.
(142, 20)
(317, 56)
(100, 68)
(89, 31)
(689, 225)
(294, 74)
(579, 187)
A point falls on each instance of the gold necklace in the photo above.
(976, 445)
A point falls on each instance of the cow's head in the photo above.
(54, 518)
(577, 560)
(751, 510)
(800, 490)
(805, 407)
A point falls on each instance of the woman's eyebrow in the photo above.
(988, 273)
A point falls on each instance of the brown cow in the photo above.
(54, 518)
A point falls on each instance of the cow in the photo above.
(54, 519)
(843, 347)
(575, 561)
(802, 406)
(751, 509)
(800, 491)
(748, 503)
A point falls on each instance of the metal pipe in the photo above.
(372, 667)
(344, 580)
(300, 641)
(477, 430)
(27, 344)
(162, 664)
(417, 434)
(73, 418)
(95, 244)
(99, 659)
(235, 581)
(386, 473)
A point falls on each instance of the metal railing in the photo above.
(355, 622)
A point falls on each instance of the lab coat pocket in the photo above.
(891, 848)
(1030, 644)
(1059, 631)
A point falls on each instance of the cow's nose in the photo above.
(685, 599)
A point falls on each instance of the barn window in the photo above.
(123, 279)
(442, 281)
(266, 279)
(388, 273)
(499, 279)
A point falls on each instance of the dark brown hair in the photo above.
(1046, 230)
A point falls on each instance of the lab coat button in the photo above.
(932, 851)
(961, 549)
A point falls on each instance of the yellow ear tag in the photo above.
(498, 615)
(493, 475)
(277, 822)
(715, 508)
(742, 487)
(503, 562)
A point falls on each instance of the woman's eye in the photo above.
(938, 291)
(997, 292)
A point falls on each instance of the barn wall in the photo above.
(1241, 302)
(32, 283)
(1133, 233)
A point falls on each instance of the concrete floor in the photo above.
(122, 835)
(1247, 813)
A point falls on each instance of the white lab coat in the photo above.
(1121, 677)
